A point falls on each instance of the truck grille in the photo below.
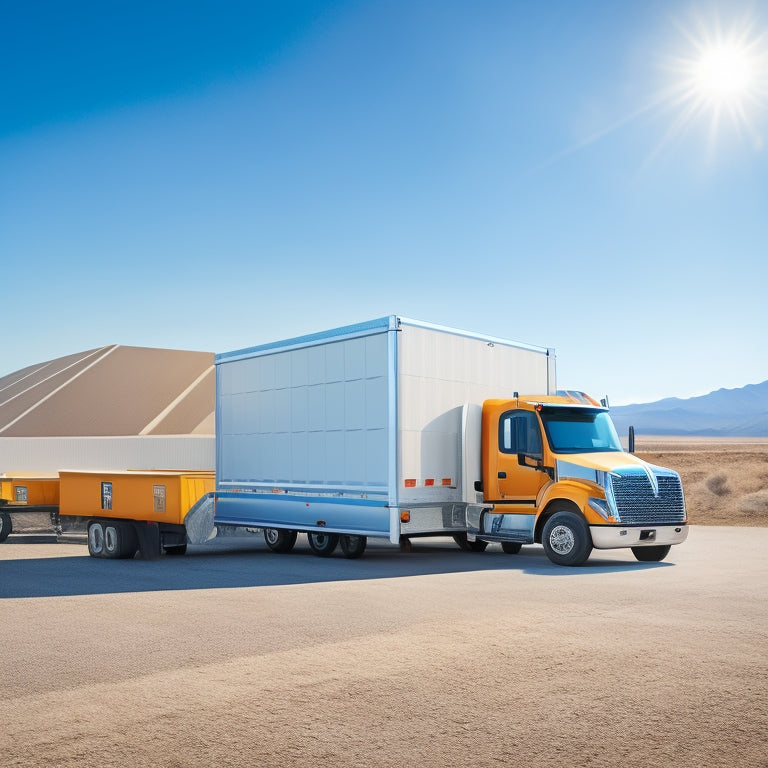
(637, 504)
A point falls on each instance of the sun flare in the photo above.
(722, 80)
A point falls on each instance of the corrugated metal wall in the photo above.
(314, 416)
(42, 455)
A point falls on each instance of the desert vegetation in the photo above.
(725, 480)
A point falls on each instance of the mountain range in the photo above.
(739, 412)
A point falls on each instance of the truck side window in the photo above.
(519, 433)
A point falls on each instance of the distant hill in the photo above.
(725, 413)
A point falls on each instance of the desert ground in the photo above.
(725, 480)
(233, 656)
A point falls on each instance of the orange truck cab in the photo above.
(554, 472)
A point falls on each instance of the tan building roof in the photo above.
(111, 391)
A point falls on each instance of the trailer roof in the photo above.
(379, 325)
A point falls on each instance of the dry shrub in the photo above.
(754, 503)
(718, 484)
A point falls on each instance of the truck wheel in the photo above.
(651, 554)
(120, 541)
(323, 544)
(5, 526)
(353, 546)
(566, 539)
(96, 539)
(469, 546)
(511, 547)
(279, 540)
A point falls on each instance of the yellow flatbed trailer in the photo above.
(133, 510)
(28, 504)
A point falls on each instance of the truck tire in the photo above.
(323, 544)
(651, 554)
(511, 547)
(353, 546)
(5, 526)
(120, 541)
(566, 538)
(95, 539)
(469, 546)
(280, 540)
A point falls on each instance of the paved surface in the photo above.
(233, 656)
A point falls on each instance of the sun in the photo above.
(724, 74)
(721, 80)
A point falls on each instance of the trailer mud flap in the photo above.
(148, 535)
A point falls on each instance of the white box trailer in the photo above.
(368, 430)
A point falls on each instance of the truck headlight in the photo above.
(603, 509)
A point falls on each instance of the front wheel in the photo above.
(353, 546)
(5, 526)
(566, 539)
(323, 544)
(280, 540)
(651, 554)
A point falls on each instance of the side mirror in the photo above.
(526, 460)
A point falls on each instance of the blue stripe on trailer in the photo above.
(361, 517)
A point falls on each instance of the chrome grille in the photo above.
(637, 504)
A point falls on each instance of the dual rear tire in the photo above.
(322, 544)
(111, 540)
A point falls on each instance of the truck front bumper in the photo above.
(617, 537)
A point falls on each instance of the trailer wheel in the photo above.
(280, 540)
(651, 554)
(511, 547)
(5, 526)
(469, 546)
(353, 546)
(566, 539)
(120, 541)
(323, 544)
(95, 539)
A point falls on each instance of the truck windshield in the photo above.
(579, 430)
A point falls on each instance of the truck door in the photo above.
(519, 483)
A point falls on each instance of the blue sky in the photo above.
(218, 175)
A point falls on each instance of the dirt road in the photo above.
(436, 658)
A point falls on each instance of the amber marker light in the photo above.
(405, 515)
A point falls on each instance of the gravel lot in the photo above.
(233, 656)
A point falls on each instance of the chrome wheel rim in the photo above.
(561, 539)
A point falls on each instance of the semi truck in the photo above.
(396, 429)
